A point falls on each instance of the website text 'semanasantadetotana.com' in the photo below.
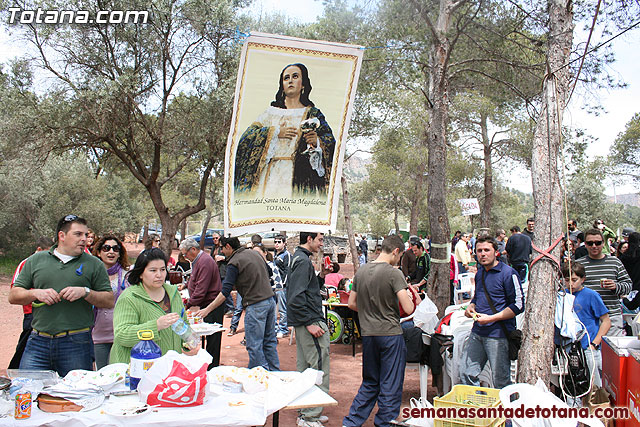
(518, 412)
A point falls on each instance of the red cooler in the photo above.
(615, 364)
(633, 394)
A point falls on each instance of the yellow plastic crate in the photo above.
(465, 396)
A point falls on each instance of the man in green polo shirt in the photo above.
(63, 284)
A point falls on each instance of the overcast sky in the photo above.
(620, 105)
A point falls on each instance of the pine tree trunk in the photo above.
(207, 218)
(183, 229)
(438, 106)
(537, 348)
(416, 201)
(485, 215)
(396, 224)
(347, 220)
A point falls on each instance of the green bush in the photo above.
(8, 265)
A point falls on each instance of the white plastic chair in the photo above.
(464, 285)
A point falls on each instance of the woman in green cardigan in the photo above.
(148, 304)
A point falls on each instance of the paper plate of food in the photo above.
(106, 377)
(207, 328)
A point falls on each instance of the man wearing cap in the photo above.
(62, 284)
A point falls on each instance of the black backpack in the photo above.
(577, 380)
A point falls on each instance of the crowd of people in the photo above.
(84, 303)
(599, 268)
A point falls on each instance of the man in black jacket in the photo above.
(519, 250)
(304, 313)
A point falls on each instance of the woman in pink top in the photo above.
(114, 256)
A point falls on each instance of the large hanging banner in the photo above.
(291, 115)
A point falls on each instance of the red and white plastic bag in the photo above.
(176, 380)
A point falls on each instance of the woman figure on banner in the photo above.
(290, 142)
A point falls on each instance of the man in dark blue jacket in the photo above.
(488, 341)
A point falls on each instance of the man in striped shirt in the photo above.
(606, 275)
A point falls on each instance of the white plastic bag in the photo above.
(522, 394)
(426, 315)
(566, 319)
(176, 380)
(274, 390)
(420, 421)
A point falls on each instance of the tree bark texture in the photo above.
(207, 218)
(416, 201)
(347, 221)
(487, 206)
(396, 224)
(183, 229)
(537, 348)
(438, 109)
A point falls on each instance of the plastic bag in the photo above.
(176, 380)
(566, 319)
(426, 315)
(420, 421)
(529, 396)
(253, 380)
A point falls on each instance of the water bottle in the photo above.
(184, 331)
(143, 355)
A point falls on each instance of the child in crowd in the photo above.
(592, 313)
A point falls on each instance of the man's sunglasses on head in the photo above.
(69, 218)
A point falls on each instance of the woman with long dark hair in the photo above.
(114, 256)
(148, 304)
(291, 142)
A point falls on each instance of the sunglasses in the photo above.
(107, 248)
(69, 218)
(277, 241)
(593, 242)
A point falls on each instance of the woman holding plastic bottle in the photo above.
(148, 304)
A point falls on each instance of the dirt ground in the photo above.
(345, 369)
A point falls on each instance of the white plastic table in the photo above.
(310, 399)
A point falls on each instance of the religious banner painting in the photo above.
(285, 149)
